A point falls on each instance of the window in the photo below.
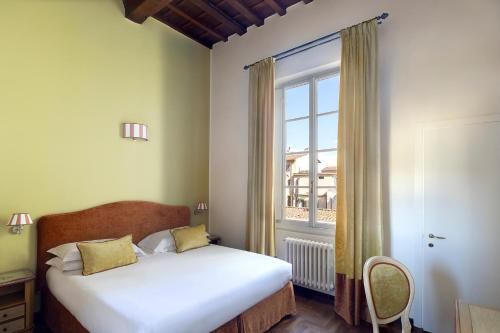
(307, 123)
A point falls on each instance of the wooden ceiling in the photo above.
(207, 21)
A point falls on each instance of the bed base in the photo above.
(259, 318)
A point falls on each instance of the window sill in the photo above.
(323, 229)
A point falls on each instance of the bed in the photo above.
(210, 289)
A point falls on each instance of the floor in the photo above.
(315, 315)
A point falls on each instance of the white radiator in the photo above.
(312, 264)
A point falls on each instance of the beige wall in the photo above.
(70, 73)
(438, 60)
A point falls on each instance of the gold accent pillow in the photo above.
(189, 238)
(98, 257)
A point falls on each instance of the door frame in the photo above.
(419, 195)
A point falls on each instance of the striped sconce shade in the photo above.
(20, 219)
(17, 221)
(200, 208)
(135, 131)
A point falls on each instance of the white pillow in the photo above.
(159, 242)
(69, 251)
(64, 266)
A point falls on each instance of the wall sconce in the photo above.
(201, 208)
(17, 221)
(135, 131)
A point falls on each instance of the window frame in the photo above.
(280, 153)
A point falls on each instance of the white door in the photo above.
(461, 202)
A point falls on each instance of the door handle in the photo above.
(436, 237)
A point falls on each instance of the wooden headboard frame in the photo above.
(138, 218)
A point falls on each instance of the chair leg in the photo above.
(405, 323)
(375, 327)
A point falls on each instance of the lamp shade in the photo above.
(20, 219)
(202, 206)
(135, 131)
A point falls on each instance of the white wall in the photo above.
(439, 59)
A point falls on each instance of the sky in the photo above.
(297, 105)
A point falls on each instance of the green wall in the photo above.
(70, 73)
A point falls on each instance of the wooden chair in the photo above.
(389, 289)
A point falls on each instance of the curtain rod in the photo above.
(317, 42)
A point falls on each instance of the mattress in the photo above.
(194, 291)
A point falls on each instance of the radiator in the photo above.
(312, 264)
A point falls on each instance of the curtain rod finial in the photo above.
(383, 16)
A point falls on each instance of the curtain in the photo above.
(359, 222)
(260, 211)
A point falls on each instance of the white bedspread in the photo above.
(195, 291)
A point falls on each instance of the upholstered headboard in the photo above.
(138, 218)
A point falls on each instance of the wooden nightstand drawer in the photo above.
(11, 313)
(12, 326)
(17, 292)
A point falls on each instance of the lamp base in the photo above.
(16, 229)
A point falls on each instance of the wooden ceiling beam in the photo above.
(218, 14)
(244, 10)
(184, 32)
(276, 7)
(144, 9)
(207, 21)
(195, 22)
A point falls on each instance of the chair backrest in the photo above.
(389, 289)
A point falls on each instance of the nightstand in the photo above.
(212, 239)
(17, 296)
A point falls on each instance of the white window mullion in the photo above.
(312, 152)
(315, 149)
(283, 155)
(280, 158)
